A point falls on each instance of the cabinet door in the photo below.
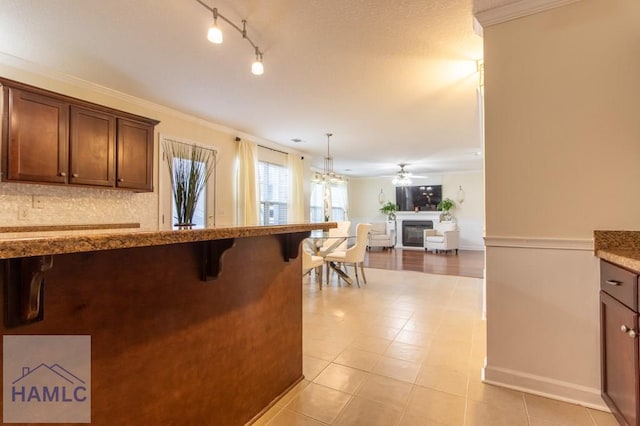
(92, 147)
(620, 382)
(135, 155)
(37, 138)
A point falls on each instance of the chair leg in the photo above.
(364, 278)
(319, 275)
(355, 268)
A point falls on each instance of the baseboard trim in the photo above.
(545, 387)
(540, 243)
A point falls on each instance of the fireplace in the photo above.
(412, 232)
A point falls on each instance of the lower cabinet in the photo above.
(619, 345)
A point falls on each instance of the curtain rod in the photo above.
(269, 148)
(238, 139)
(272, 149)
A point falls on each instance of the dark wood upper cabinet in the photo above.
(92, 143)
(52, 138)
(135, 155)
(35, 137)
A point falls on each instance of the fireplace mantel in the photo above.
(402, 216)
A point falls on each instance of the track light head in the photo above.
(215, 35)
(257, 68)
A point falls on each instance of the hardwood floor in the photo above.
(468, 263)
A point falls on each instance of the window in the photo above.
(274, 190)
(315, 207)
(331, 198)
(339, 202)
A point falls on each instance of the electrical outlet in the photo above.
(37, 202)
(24, 213)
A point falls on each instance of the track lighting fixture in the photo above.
(257, 68)
(214, 35)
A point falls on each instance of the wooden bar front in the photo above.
(169, 348)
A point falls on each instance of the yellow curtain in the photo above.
(248, 208)
(295, 212)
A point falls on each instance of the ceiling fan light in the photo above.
(402, 178)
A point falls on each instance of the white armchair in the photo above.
(381, 235)
(445, 237)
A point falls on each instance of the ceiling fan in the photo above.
(403, 177)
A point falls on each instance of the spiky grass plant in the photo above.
(190, 167)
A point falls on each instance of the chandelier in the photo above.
(214, 35)
(402, 178)
(328, 175)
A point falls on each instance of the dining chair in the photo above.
(355, 254)
(311, 261)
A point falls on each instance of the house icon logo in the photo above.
(62, 385)
(46, 379)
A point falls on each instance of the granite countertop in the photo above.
(619, 247)
(25, 244)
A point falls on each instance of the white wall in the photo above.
(470, 213)
(364, 205)
(562, 143)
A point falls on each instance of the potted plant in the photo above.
(390, 210)
(446, 205)
(190, 167)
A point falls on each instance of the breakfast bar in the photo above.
(187, 327)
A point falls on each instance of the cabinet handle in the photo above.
(63, 174)
(628, 331)
(75, 175)
(121, 180)
(613, 282)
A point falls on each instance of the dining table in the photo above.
(324, 244)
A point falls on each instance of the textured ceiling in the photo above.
(395, 81)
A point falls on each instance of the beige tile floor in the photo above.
(406, 349)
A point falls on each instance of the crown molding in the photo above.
(516, 9)
(21, 64)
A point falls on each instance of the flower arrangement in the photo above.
(190, 167)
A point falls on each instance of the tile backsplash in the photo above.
(61, 205)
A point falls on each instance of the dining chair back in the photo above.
(354, 255)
